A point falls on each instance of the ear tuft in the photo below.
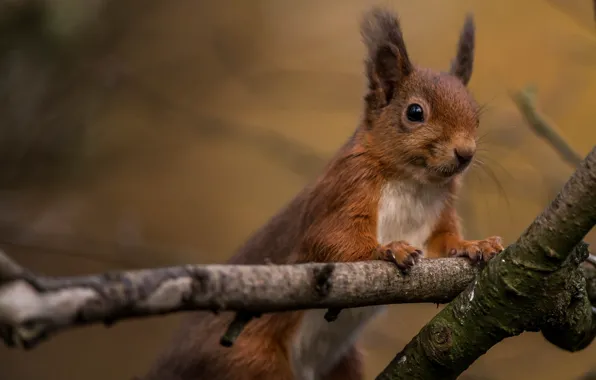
(463, 63)
(387, 61)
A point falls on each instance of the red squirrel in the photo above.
(387, 194)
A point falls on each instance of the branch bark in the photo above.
(33, 307)
(533, 285)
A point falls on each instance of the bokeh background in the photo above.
(150, 133)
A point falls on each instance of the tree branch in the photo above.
(545, 129)
(33, 307)
(533, 285)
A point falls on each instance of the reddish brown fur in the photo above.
(335, 218)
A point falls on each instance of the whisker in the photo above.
(481, 137)
(501, 190)
(481, 110)
(478, 164)
(495, 162)
(486, 136)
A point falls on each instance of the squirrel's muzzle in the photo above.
(464, 156)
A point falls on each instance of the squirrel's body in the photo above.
(318, 344)
(387, 194)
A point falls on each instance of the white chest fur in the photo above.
(406, 212)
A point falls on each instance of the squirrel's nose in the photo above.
(463, 155)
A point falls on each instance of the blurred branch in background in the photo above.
(299, 158)
(51, 55)
(581, 12)
(115, 253)
(544, 128)
(591, 375)
(56, 74)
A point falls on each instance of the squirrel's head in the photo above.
(421, 122)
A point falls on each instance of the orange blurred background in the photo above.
(165, 132)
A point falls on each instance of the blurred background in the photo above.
(150, 133)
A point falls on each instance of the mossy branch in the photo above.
(534, 285)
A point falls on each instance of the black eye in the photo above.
(414, 113)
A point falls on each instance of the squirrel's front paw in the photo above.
(476, 250)
(402, 254)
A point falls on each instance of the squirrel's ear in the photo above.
(463, 63)
(387, 62)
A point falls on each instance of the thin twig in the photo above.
(544, 128)
(236, 326)
(9, 269)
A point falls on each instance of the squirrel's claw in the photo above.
(477, 250)
(400, 253)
